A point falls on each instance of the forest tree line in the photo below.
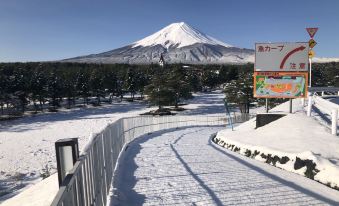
(49, 84)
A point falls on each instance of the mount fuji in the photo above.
(178, 43)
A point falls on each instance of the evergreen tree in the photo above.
(4, 88)
(169, 86)
(83, 85)
(228, 73)
(130, 82)
(20, 87)
(240, 91)
(194, 79)
(55, 88)
(96, 84)
(110, 83)
(38, 87)
(178, 84)
(70, 78)
(155, 90)
(210, 78)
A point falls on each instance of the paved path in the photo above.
(183, 167)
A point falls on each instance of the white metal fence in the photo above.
(327, 108)
(89, 181)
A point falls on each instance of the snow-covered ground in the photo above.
(293, 136)
(27, 144)
(184, 167)
(211, 103)
(205, 181)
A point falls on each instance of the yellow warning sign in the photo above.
(312, 43)
(311, 54)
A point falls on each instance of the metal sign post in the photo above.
(290, 105)
(311, 43)
(310, 62)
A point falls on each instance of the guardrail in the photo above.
(328, 108)
(89, 181)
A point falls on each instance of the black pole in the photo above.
(67, 153)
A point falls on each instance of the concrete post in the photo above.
(322, 93)
(67, 153)
(334, 121)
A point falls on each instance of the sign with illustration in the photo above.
(281, 57)
(280, 84)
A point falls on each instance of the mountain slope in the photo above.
(179, 43)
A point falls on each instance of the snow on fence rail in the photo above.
(89, 181)
(328, 108)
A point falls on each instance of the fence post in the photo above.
(334, 121)
(67, 153)
(309, 106)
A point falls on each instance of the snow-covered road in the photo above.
(183, 167)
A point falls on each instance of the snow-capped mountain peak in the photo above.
(178, 35)
(179, 43)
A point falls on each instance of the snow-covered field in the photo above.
(184, 167)
(27, 145)
(27, 151)
(293, 136)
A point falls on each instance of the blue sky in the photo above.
(39, 30)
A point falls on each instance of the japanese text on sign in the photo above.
(281, 56)
(268, 48)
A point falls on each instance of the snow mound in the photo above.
(295, 143)
(178, 35)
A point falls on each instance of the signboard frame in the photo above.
(284, 57)
(280, 74)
